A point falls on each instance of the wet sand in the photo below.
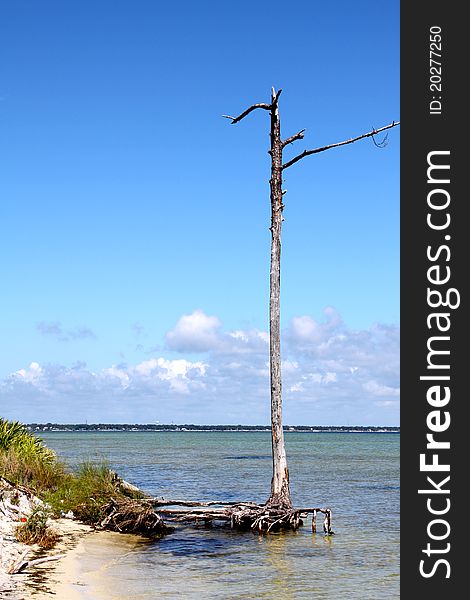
(43, 580)
(82, 574)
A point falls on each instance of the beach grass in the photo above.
(26, 461)
(85, 492)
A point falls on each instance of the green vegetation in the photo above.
(26, 461)
(32, 472)
(14, 435)
(86, 493)
(36, 530)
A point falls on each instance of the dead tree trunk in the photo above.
(280, 494)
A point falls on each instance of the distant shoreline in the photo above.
(152, 427)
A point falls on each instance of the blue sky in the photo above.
(134, 236)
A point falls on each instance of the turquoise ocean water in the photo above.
(355, 474)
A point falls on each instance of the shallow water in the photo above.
(357, 475)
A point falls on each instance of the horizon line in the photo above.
(238, 425)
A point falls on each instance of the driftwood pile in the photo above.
(133, 516)
(242, 515)
(150, 516)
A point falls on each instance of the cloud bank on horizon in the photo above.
(331, 375)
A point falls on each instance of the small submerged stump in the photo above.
(266, 518)
(271, 518)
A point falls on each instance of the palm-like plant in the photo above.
(15, 436)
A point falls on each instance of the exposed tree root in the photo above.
(151, 516)
(242, 515)
(134, 516)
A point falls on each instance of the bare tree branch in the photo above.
(323, 148)
(248, 111)
(275, 96)
(293, 138)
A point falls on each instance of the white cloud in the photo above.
(306, 331)
(322, 378)
(329, 377)
(331, 374)
(289, 366)
(388, 403)
(380, 390)
(179, 373)
(117, 373)
(31, 374)
(196, 332)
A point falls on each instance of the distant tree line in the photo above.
(192, 427)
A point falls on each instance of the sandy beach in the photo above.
(52, 577)
(82, 573)
(74, 567)
(77, 564)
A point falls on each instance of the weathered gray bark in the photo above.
(242, 515)
(280, 494)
